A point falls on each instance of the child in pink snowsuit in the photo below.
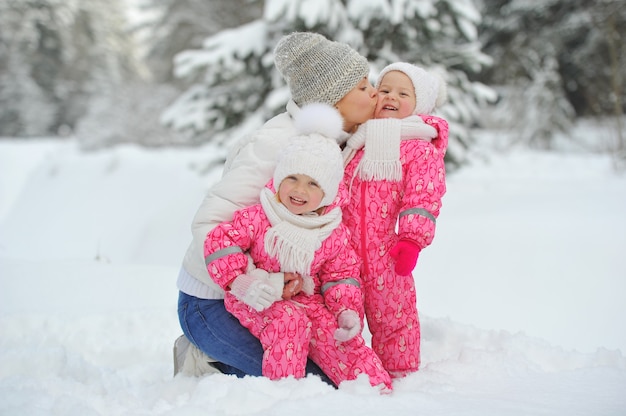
(396, 178)
(298, 229)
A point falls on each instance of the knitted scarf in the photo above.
(381, 160)
(294, 239)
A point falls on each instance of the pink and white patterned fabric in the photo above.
(371, 214)
(303, 326)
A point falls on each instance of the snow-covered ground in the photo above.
(521, 294)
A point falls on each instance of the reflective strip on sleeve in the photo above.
(348, 281)
(221, 253)
(419, 211)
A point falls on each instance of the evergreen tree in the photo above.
(438, 35)
(27, 106)
(234, 81)
(55, 56)
(557, 59)
(178, 25)
(232, 77)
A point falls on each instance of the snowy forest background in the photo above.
(115, 116)
(189, 72)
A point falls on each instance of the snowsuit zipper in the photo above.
(362, 207)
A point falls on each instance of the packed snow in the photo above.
(521, 294)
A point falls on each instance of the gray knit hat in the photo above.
(317, 69)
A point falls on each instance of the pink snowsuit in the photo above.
(371, 215)
(291, 330)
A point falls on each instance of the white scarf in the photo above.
(382, 138)
(294, 239)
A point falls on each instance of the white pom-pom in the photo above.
(442, 88)
(319, 118)
(442, 93)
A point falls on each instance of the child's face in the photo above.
(300, 194)
(396, 96)
(358, 106)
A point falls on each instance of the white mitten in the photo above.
(277, 282)
(414, 127)
(257, 289)
(349, 325)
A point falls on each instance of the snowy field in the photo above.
(521, 294)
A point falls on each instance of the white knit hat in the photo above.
(318, 70)
(430, 88)
(314, 152)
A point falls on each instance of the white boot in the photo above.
(190, 361)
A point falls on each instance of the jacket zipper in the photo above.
(363, 224)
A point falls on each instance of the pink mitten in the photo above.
(349, 325)
(405, 253)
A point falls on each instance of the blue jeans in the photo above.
(210, 327)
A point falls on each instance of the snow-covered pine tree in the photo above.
(235, 81)
(231, 79)
(56, 55)
(527, 70)
(130, 111)
(555, 59)
(173, 26)
(439, 35)
(26, 108)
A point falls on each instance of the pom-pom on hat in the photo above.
(430, 88)
(318, 70)
(314, 151)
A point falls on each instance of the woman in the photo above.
(316, 70)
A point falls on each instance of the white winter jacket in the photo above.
(249, 166)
